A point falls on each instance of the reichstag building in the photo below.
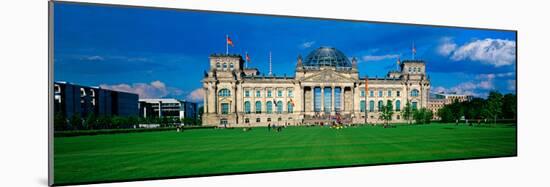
(325, 89)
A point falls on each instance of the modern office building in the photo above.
(167, 107)
(326, 88)
(70, 99)
(439, 100)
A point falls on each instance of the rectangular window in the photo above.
(290, 93)
(258, 120)
(317, 99)
(247, 93)
(389, 93)
(268, 93)
(398, 94)
(225, 108)
(258, 93)
(246, 120)
(414, 105)
(337, 100)
(380, 94)
(279, 93)
(371, 93)
(362, 93)
(327, 100)
(363, 106)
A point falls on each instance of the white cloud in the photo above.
(447, 46)
(306, 45)
(196, 95)
(368, 58)
(155, 89)
(93, 58)
(511, 85)
(492, 75)
(496, 52)
(482, 82)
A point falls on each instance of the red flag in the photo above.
(366, 86)
(229, 42)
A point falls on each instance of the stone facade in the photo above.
(326, 88)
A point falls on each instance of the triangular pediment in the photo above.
(327, 76)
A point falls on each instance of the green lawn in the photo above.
(129, 156)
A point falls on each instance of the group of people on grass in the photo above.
(275, 127)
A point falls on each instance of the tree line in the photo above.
(91, 121)
(420, 116)
(497, 107)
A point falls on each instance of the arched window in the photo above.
(224, 66)
(380, 105)
(398, 105)
(258, 107)
(224, 93)
(218, 66)
(269, 106)
(389, 103)
(231, 66)
(414, 93)
(279, 107)
(247, 107)
(362, 106)
(371, 106)
(290, 107)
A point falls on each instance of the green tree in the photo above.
(164, 121)
(509, 106)
(76, 121)
(407, 112)
(423, 116)
(387, 113)
(91, 121)
(474, 109)
(457, 109)
(118, 122)
(104, 122)
(132, 121)
(59, 122)
(494, 105)
(446, 114)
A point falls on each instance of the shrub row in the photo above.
(73, 133)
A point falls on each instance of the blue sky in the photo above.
(163, 53)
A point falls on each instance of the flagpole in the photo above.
(270, 63)
(413, 51)
(226, 44)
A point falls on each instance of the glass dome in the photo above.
(326, 57)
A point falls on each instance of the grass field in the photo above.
(85, 159)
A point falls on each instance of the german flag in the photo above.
(229, 41)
